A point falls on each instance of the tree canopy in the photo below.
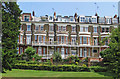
(10, 27)
(111, 56)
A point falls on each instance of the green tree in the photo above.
(29, 53)
(10, 27)
(57, 57)
(112, 54)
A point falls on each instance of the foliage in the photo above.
(29, 52)
(84, 65)
(98, 69)
(52, 67)
(37, 57)
(10, 27)
(57, 57)
(112, 54)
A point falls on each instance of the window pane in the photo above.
(85, 40)
(28, 28)
(80, 52)
(80, 40)
(81, 29)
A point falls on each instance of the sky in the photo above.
(69, 8)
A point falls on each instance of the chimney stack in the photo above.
(33, 13)
(115, 16)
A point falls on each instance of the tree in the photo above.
(57, 57)
(111, 56)
(29, 53)
(10, 27)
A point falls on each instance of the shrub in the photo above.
(84, 65)
(98, 69)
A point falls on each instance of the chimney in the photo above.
(33, 13)
(54, 16)
(96, 14)
(115, 16)
(75, 16)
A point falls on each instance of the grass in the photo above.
(38, 73)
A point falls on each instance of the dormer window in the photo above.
(41, 28)
(114, 20)
(102, 20)
(94, 20)
(26, 18)
(82, 19)
(108, 20)
(50, 18)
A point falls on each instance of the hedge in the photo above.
(51, 68)
(60, 68)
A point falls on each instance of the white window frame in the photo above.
(21, 38)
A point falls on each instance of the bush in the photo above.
(98, 69)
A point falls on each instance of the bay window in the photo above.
(40, 39)
(28, 39)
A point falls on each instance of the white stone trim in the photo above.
(104, 26)
(39, 23)
(73, 35)
(105, 36)
(85, 35)
(28, 34)
(28, 23)
(40, 34)
(105, 33)
(84, 32)
(95, 36)
(62, 35)
(62, 24)
(51, 34)
(108, 17)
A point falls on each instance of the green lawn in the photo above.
(38, 73)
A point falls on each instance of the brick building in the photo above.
(68, 35)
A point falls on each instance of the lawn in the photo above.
(38, 73)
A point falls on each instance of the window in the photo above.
(95, 29)
(106, 42)
(66, 51)
(58, 49)
(73, 28)
(108, 20)
(51, 28)
(66, 40)
(86, 29)
(20, 27)
(28, 28)
(40, 39)
(73, 40)
(44, 39)
(35, 38)
(62, 39)
(82, 19)
(58, 39)
(64, 28)
(80, 40)
(88, 40)
(37, 28)
(43, 51)
(88, 51)
(18, 39)
(73, 52)
(102, 20)
(62, 51)
(35, 50)
(81, 52)
(94, 20)
(85, 52)
(71, 19)
(21, 50)
(107, 29)
(95, 41)
(41, 28)
(21, 38)
(81, 29)
(17, 50)
(26, 18)
(114, 20)
(84, 40)
(94, 51)
(50, 18)
(28, 39)
(40, 51)
(103, 29)
(59, 28)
